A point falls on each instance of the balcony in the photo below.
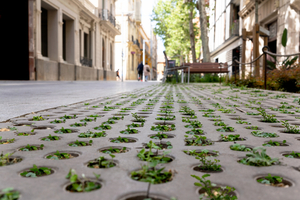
(109, 20)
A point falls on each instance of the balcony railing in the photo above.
(86, 61)
(234, 29)
(104, 14)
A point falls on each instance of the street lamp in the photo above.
(144, 56)
(122, 30)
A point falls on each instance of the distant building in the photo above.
(68, 40)
(161, 63)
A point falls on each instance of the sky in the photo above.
(147, 7)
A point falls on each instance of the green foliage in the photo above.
(208, 165)
(150, 156)
(230, 138)
(58, 121)
(163, 128)
(270, 180)
(90, 134)
(252, 127)
(5, 159)
(159, 136)
(63, 130)
(32, 148)
(137, 118)
(103, 127)
(211, 191)
(80, 143)
(203, 152)
(284, 37)
(264, 134)
(197, 141)
(6, 141)
(9, 194)
(59, 156)
(120, 140)
(194, 124)
(38, 118)
(267, 117)
(166, 118)
(242, 122)
(274, 143)
(88, 119)
(129, 131)
(239, 147)
(78, 124)
(50, 138)
(226, 128)
(111, 150)
(292, 155)
(220, 123)
(68, 117)
(83, 184)
(258, 158)
(134, 125)
(102, 162)
(36, 172)
(195, 132)
(289, 128)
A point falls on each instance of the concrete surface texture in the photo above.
(22, 97)
(231, 106)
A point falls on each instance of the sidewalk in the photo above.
(22, 97)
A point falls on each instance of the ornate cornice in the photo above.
(249, 8)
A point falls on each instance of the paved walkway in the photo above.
(21, 97)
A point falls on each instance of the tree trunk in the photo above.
(203, 28)
(192, 34)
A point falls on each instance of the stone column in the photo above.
(92, 47)
(31, 63)
(59, 34)
(38, 28)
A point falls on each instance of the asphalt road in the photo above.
(22, 97)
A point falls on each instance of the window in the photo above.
(64, 39)
(103, 53)
(111, 57)
(44, 32)
(85, 45)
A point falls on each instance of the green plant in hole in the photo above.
(297, 100)
(83, 184)
(88, 119)
(292, 155)
(116, 118)
(290, 128)
(6, 141)
(239, 147)
(252, 127)
(207, 110)
(274, 143)
(166, 107)
(24, 134)
(78, 124)
(59, 156)
(216, 120)
(270, 180)
(242, 122)
(38, 118)
(195, 132)
(50, 138)
(103, 127)
(264, 134)
(150, 155)
(160, 145)
(211, 191)
(114, 150)
(109, 122)
(210, 115)
(137, 118)
(102, 162)
(231, 138)
(120, 140)
(251, 113)
(68, 117)
(31, 148)
(6, 160)
(196, 140)
(95, 106)
(226, 129)
(219, 123)
(149, 173)
(81, 143)
(204, 152)
(258, 158)
(134, 125)
(9, 194)
(86, 104)
(159, 136)
(164, 128)
(129, 131)
(63, 130)
(36, 172)
(58, 121)
(12, 128)
(207, 165)
(194, 124)
(90, 134)
(267, 117)
(166, 118)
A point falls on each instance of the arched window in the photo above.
(103, 54)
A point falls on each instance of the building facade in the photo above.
(71, 40)
(234, 33)
(128, 45)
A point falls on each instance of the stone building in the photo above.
(70, 40)
(233, 33)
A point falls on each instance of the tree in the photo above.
(191, 7)
(203, 27)
(172, 19)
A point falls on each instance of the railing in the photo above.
(86, 61)
(234, 29)
(104, 14)
(266, 51)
